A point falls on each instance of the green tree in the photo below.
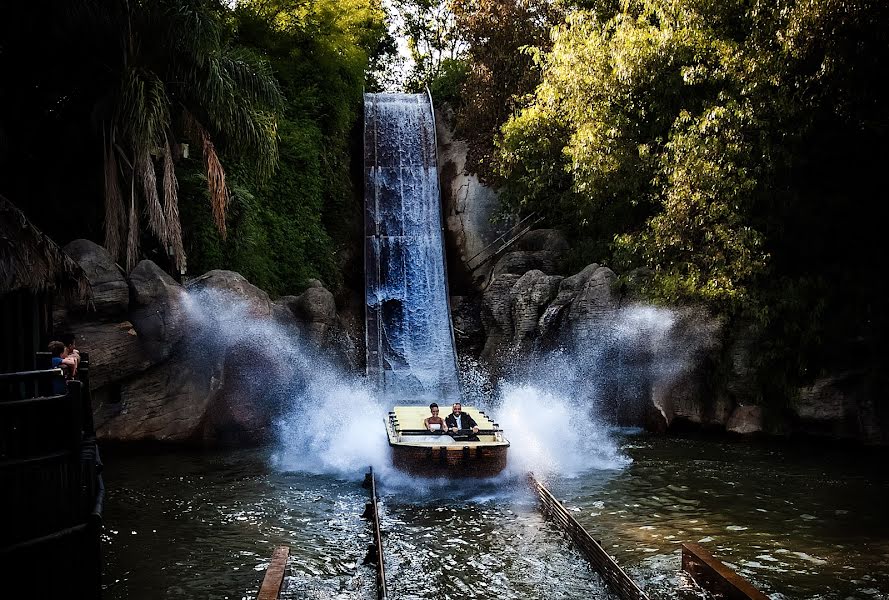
(178, 77)
(733, 149)
(305, 220)
(433, 38)
(501, 37)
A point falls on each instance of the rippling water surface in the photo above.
(798, 522)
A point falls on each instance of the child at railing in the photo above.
(66, 363)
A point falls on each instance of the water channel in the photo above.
(798, 521)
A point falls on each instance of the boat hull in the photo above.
(450, 461)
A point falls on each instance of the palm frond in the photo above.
(143, 111)
(133, 230)
(215, 183)
(234, 89)
(157, 223)
(171, 210)
(253, 77)
(191, 28)
(114, 208)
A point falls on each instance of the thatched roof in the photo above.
(29, 260)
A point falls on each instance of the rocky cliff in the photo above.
(213, 361)
(680, 368)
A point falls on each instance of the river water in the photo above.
(798, 521)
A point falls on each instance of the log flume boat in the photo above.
(416, 450)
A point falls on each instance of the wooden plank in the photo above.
(715, 577)
(274, 575)
(382, 591)
(605, 565)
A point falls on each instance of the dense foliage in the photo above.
(733, 149)
(263, 92)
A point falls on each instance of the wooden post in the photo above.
(274, 575)
(715, 577)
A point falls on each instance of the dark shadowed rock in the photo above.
(255, 388)
(157, 310)
(529, 296)
(315, 305)
(596, 301)
(116, 351)
(548, 240)
(167, 403)
(497, 314)
(520, 262)
(110, 293)
(550, 323)
(745, 420)
(315, 311)
(469, 332)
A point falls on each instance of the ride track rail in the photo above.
(619, 582)
(375, 551)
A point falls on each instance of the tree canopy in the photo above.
(236, 118)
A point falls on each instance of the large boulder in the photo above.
(745, 420)
(110, 293)
(519, 262)
(168, 403)
(220, 290)
(594, 303)
(116, 351)
(530, 296)
(315, 312)
(157, 310)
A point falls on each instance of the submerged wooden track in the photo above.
(375, 552)
(619, 582)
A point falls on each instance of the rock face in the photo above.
(211, 364)
(468, 204)
(231, 287)
(843, 405)
(518, 310)
(116, 351)
(745, 420)
(168, 403)
(157, 309)
(110, 293)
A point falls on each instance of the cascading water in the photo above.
(410, 344)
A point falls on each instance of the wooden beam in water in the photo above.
(619, 582)
(274, 575)
(715, 577)
(375, 554)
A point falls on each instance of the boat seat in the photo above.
(411, 417)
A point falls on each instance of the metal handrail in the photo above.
(26, 375)
(503, 235)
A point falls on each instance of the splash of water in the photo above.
(553, 407)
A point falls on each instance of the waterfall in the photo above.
(410, 343)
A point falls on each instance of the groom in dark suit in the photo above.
(458, 420)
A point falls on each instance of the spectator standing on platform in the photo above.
(67, 364)
(71, 351)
